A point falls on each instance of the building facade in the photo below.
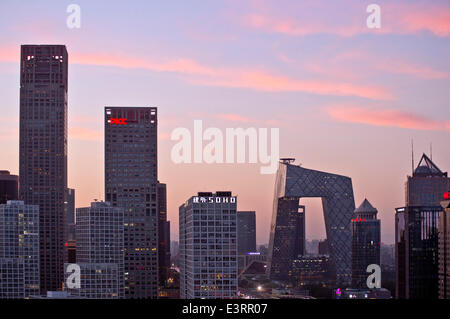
(416, 228)
(246, 230)
(43, 150)
(19, 250)
(444, 250)
(163, 236)
(294, 182)
(100, 251)
(208, 246)
(131, 179)
(366, 241)
(9, 187)
(310, 270)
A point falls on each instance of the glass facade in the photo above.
(19, 250)
(208, 247)
(246, 229)
(131, 179)
(43, 150)
(416, 227)
(294, 182)
(100, 251)
(366, 241)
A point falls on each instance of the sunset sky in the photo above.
(347, 99)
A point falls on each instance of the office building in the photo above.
(292, 183)
(208, 246)
(164, 236)
(444, 250)
(310, 270)
(366, 240)
(100, 251)
(9, 187)
(131, 179)
(246, 230)
(416, 228)
(19, 250)
(43, 151)
(70, 242)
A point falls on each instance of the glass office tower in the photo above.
(131, 179)
(43, 151)
(416, 227)
(208, 246)
(366, 240)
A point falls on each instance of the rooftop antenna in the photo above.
(412, 156)
(431, 151)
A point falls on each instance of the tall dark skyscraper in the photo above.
(366, 240)
(416, 228)
(9, 187)
(43, 150)
(292, 183)
(131, 179)
(164, 236)
(246, 229)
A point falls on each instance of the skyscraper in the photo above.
(9, 187)
(70, 242)
(131, 178)
(366, 240)
(289, 241)
(444, 250)
(164, 235)
(416, 228)
(208, 246)
(100, 251)
(43, 150)
(294, 182)
(19, 250)
(246, 230)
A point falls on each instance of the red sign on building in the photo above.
(447, 195)
(118, 121)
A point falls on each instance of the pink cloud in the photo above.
(85, 134)
(230, 77)
(176, 65)
(417, 70)
(400, 18)
(233, 118)
(386, 117)
(263, 81)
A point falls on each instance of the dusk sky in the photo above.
(347, 99)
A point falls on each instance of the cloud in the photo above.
(181, 65)
(386, 117)
(416, 70)
(234, 77)
(399, 18)
(246, 78)
(233, 118)
(264, 81)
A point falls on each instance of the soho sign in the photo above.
(199, 199)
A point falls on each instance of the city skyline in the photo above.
(367, 127)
